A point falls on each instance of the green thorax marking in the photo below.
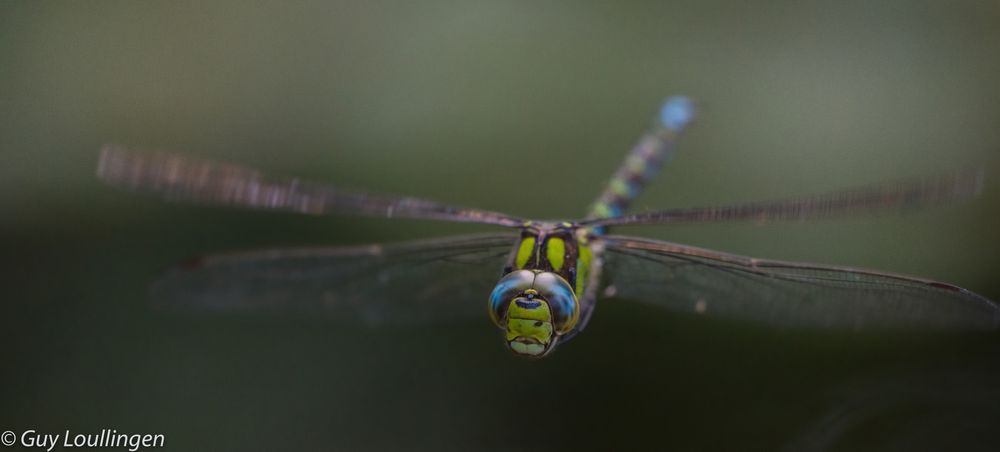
(582, 268)
(524, 252)
(556, 250)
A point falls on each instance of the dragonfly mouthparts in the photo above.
(527, 340)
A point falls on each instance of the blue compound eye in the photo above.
(509, 287)
(561, 299)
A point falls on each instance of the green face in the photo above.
(534, 309)
(529, 326)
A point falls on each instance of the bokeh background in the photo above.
(523, 107)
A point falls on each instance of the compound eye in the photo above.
(562, 301)
(509, 287)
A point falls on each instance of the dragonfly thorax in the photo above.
(534, 308)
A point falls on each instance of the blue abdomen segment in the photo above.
(645, 159)
(677, 112)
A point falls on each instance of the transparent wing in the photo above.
(408, 283)
(689, 279)
(886, 197)
(180, 178)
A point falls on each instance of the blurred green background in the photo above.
(524, 107)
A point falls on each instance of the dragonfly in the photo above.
(546, 276)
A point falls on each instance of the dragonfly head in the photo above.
(534, 310)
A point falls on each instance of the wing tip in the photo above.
(966, 183)
(110, 161)
(978, 181)
(121, 166)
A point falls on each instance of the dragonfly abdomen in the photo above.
(644, 160)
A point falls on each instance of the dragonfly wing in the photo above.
(888, 197)
(188, 179)
(691, 279)
(412, 283)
